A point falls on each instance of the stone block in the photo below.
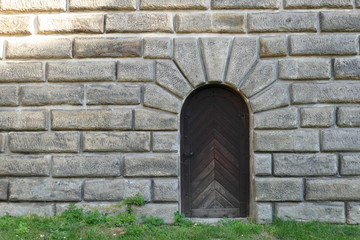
(168, 76)
(92, 119)
(80, 5)
(15, 25)
(350, 164)
(2, 142)
(262, 164)
(334, 44)
(111, 94)
(45, 189)
(333, 189)
(279, 189)
(51, 95)
(273, 141)
(306, 141)
(44, 142)
(282, 22)
(4, 184)
(347, 68)
(340, 140)
(304, 4)
(107, 47)
(193, 22)
(274, 46)
(307, 211)
(353, 213)
(155, 120)
(85, 166)
(116, 142)
(166, 189)
(262, 76)
(135, 71)
(164, 211)
(81, 71)
(245, 4)
(157, 47)
(277, 119)
(25, 120)
(165, 142)
(228, 22)
(139, 22)
(263, 213)
(317, 117)
(173, 5)
(33, 6)
(339, 21)
(24, 166)
(156, 165)
(9, 96)
(13, 72)
(157, 97)
(110, 208)
(295, 69)
(305, 164)
(275, 97)
(70, 23)
(43, 47)
(26, 209)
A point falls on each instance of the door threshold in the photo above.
(215, 221)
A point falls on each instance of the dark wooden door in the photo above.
(215, 154)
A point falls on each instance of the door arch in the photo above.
(215, 171)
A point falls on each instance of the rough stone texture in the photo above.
(333, 189)
(318, 4)
(116, 142)
(9, 96)
(244, 4)
(107, 47)
(156, 47)
(263, 75)
(157, 97)
(139, 22)
(135, 71)
(4, 189)
(110, 208)
(193, 22)
(51, 95)
(44, 142)
(263, 213)
(273, 46)
(317, 117)
(15, 25)
(350, 164)
(353, 213)
(24, 166)
(79, 5)
(277, 119)
(26, 209)
(279, 189)
(81, 71)
(165, 142)
(44, 189)
(157, 165)
(305, 164)
(166, 190)
(339, 21)
(188, 57)
(168, 76)
(111, 94)
(91, 119)
(173, 4)
(85, 166)
(154, 120)
(70, 23)
(306, 211)
(39, 48)
(347, 68)
(2, 142)
(163, 211)
(262, 164)
(275, 97)
(304, 45)
(116, 189)
(340, 140)
(294, 69)
(228, 22)
(11, 120)
(306, 141)
(282, 22)
(33, 6)
(12, 72)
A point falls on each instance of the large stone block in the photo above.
(33, 6)
(318, 4)
(348, 117)
(11, 120)
(157, 47)
(24, 166)
(173, 4)
(111, 208)
(306, 141)
(347, 68)
(111, 94)
(4, 184)
(156, 165)
(339, 21)
(45, 189)
(263, 213)
(350, 164)
(26, 209)
(274, 46)
(80, 5)
(275, 97)
(306, 211)
(44, 142)
(294, 69)
(340, 140)
(164, 211)
(157, 97)
(85, 166)
(317, 117)
(2, 142)
(9, 95)
(333, 189)
(154, 120)
(135, 71)
(334, 44)
(228, 22)
(107, 47)
(13, 72)
(279, 189)
(80, 71)
(51, 95)
(166, 189)
(245, 4)
(165, 142)
(305, 164)
(15, 24)
(116, 142)
(353, 213)
(139, 22)
(286, 118)
(262, 164)
(193, 22)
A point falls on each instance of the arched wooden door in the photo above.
(215, 154)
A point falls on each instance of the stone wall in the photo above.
(91, 94)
